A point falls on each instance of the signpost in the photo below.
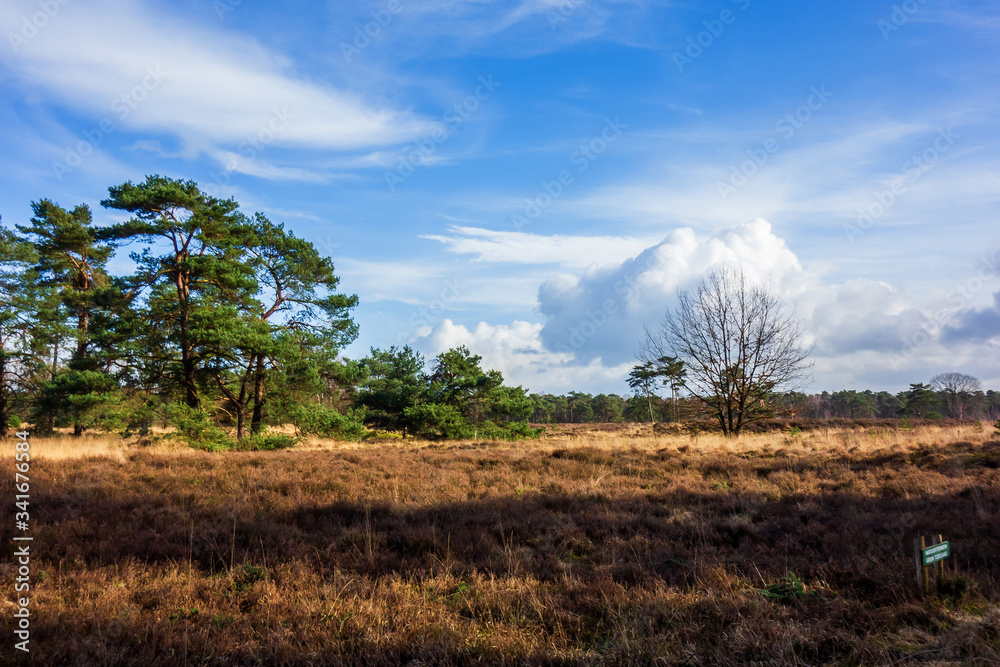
(936, 553)
(927, 556)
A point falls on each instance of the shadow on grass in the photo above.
(461, 555)
(852, 530)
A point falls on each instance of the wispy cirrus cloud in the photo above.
(524, 248)
(214, 91)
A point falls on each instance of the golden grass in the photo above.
(65, 447)
(627, 436)
(595, 547)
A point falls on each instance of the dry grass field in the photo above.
(588, 546)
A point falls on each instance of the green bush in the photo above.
(266, 442)
(134, 415)
(436, 421)
(788, 589)
(509, 431)
(197, 430)
(328, 423)
(13, 421)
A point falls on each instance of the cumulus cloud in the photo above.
(865, 331)
(975, 324)
(601, 312)
(858, 315)
(517, 351)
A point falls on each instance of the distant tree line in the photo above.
(927, 401)
(228, 323)
(921, 401)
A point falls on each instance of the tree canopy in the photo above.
(737, 343)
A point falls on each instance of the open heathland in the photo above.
(588, 546)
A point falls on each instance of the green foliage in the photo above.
(922, 402)
(788, 589)
(82, 398)
(313, 419)
(394, 381)
(247, 575)
(435, 421)
(954, 589)
(13, 421)
(457, 400)
(642, 378)
(996, 428)
(509, 431)
(479, 397)
(137, 413)
(195, 285)
(196, 429)
(265, 442)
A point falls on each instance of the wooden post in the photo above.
(940, 539)
(919, 557)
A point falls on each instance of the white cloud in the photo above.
(521, 27)
(404, 281)
(152, 72)
(516, 350)
(866, 332)
(524, 248)
(602, 311)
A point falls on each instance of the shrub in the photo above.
(327, 422)
(788, 589)
(195, 428)
(266, 442)
(435, 421)
(509, 431)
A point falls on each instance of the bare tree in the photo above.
(956, 389)
(738, 345)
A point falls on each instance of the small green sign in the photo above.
(937, 552)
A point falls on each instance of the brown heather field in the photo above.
(590, 546)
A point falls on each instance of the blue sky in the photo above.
(535, 179)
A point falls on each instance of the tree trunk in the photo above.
(258, 397)
(188, 366)
(82, 330)
(241, 419)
